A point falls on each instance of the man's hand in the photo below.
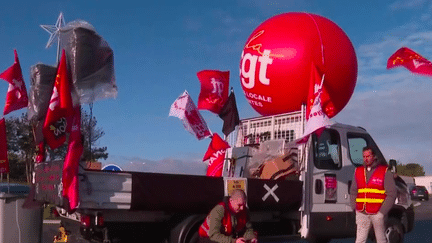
(243, 240)
(380, 215)
(240, 240)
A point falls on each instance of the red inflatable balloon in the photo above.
(276, 63)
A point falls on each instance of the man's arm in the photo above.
(215, 224)
(353, 193)
(391, 193)
(249, 234)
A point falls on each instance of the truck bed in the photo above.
(143, 191)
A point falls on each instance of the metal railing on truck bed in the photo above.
(288, 126)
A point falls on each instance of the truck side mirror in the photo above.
(392, 166)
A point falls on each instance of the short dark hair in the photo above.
(368, 147)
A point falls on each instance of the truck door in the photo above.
(330, 174)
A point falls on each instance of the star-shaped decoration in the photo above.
(54, 29)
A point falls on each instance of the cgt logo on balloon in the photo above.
(275, 65)
(248, 70)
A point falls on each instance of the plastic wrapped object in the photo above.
(90, 61)
(42, 79)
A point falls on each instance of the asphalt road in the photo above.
(422, 225)
(420, 234)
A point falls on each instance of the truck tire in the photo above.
(318, 240)
(394, 231)
(187, 230)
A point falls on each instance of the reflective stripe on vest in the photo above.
(371, 190)
(371, 194)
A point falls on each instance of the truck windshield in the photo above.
(356, 143)
(327, 150)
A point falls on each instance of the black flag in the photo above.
(229, 115)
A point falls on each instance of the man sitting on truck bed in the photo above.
(373, 193)
(228, 222)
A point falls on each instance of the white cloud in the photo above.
(374, 56)
(407, 4)
(399, 117)
(395, 106)
(191, 166)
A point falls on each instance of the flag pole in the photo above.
(8, 182)
(90, 130)
(58, 47)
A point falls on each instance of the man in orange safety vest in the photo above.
(373, 193)
(228, 222)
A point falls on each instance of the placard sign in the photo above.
(330, 188)
(232, 184)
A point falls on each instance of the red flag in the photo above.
(214, 90)
(4, 162)
(16, 97)
(60, 108)
(40, 152)
(317, 120)
(216, 155)
(411, 61)
(184, 108)
(72, 159)
(315, 83)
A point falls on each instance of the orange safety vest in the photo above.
(226, 228)
(370, 195)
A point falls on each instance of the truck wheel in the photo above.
(314, 239)
(187, 230)
(394, 231)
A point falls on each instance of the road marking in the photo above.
(417, 204)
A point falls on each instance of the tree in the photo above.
(411, 169)
(91, 135)
(22, 147)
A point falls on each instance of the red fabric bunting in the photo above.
(314, 85)
(71, 163)
(214, 90)
(410, 60)
(16, 97)
(40, 152)
(60, 108)
(216, 155)
(184, 108)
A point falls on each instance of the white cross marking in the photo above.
(270, 191)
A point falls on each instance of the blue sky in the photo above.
(159, 46)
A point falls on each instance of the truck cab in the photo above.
(325, 164)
